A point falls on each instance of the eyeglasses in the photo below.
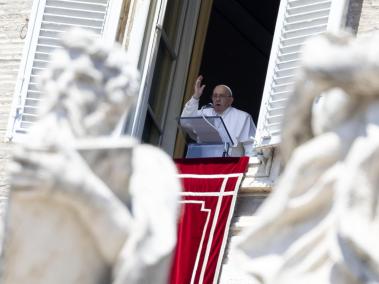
(215, 96)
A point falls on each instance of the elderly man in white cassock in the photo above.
(240, 124)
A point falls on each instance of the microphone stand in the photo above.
(210, 105)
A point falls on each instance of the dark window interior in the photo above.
(237, 50)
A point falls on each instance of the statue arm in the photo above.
(155, 189)
(66, 177)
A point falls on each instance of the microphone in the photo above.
(209, 105)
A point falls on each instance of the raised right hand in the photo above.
(198, 87)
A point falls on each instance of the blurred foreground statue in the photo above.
(321, 224)
(87, 206)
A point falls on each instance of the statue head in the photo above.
(89, 83)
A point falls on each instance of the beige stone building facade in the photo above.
(14, 20)
(169, 49)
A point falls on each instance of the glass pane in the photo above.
(161, 82)
(151, 133)
(163, 72)
(171, 22)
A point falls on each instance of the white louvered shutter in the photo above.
(49, 20)
(297, 21)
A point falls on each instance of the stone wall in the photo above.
(369, 18)
(13, 17)
(363, 16)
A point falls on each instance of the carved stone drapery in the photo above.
(321, 223)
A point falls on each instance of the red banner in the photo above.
(210, 191)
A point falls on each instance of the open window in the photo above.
(235, 52)
(226, 41)
(254, 47)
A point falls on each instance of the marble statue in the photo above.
(321, 223)
(86, 204)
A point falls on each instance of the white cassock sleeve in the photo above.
(247, 135)
(248, 129)
(191, 108)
